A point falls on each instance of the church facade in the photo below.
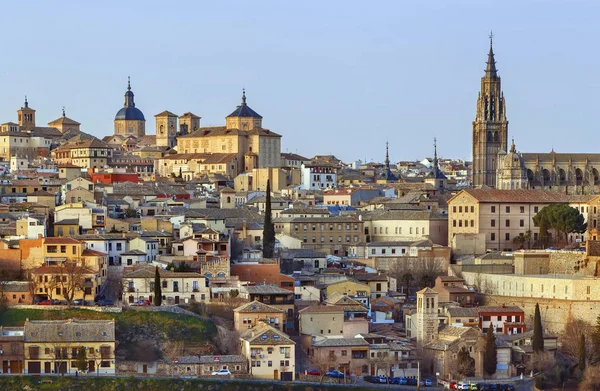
(497, 166)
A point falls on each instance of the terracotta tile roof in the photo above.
(61, 241)
(333, 342)
(516, 196)
(263, 334)
(70, 330)
(322, 308)
(257, 306)
(494, 309)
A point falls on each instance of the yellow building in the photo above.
(242, 135)
(271, 353)
(91, 153)
(51, 346)
(249, 315)
(166, 129)
(65, 282)
(320, 321)
(351, 288)
(177, 287)
(497, 216)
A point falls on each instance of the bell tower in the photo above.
(490, 128)
(427, 315)
(26, 116)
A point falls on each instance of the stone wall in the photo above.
(64, 307)
(555, 313)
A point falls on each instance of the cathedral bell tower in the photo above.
(490, 128)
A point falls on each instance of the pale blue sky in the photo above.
(337, 77)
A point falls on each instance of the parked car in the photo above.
(473, 387)
(104, 303)
(335, 374)
(314, 372)
(222, 372)
(375, 379)
(412, 382)
(141, 303)
(428, 383)
(79, 302)
(399, 380)
(45, 302)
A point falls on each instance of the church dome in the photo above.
(129, 112)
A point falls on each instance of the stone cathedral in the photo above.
(497, 166)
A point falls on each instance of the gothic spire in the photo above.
(387, 156)
(243, 97)
(490, 70)
(435, 159)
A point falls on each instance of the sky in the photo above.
(332, 77)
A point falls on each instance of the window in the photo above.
(493, 223)
(507, 236)
(535, 209)
(522, 209)
(472, 209)
(493, 209)
(507, 223)
(460, 209)
(454, 209)
(472, 224)
(492, 236)
(508, 209)
(269, 363)
(344, 352)
(521, 223)
(454, 223)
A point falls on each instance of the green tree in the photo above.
(157, 289)
(407, 278)
(269, 228)
(130, 212)
(537, 340)
(490, 359)
(560, 217)
(81, 361)
(234, 293)
(465, 364)
(582, 354)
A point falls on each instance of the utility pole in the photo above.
(419, 375)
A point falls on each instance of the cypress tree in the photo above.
(537, 341)
(81, 361)
(582, 353)
(157, 289)
(269, 228)
(490, 360)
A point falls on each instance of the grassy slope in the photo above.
(175, 326)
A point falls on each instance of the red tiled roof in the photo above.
(61, 241)
(517, 196)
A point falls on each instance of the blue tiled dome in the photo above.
(130, 113)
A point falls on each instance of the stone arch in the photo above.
(530, 176)
(489, 136)
(595, 176)
(496, 137)
(562, 176)
(578, 176)
(546, 175)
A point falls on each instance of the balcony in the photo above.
(131, 289)
(195, 290)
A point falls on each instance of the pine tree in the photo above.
(490, 359)
(582, 353)
(81, 361)
(537, 340)
(269, 228)
(157, 289)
